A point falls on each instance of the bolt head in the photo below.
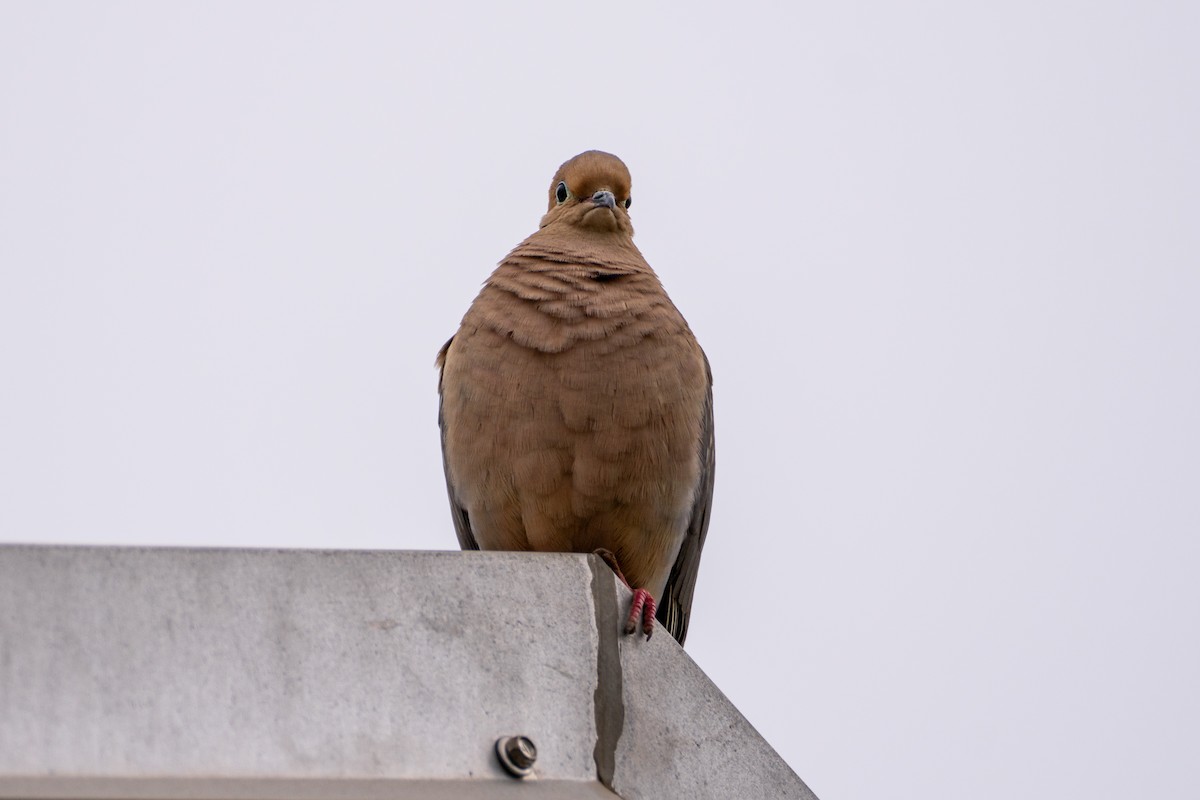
(517, 755)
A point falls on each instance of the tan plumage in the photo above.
(576, 405)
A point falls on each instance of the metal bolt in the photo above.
(516, 754)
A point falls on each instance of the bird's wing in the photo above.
(676, 605)
(462, 523)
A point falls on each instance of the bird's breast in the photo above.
(573, 417)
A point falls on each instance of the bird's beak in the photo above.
(604, 198)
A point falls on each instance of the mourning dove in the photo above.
(576, 405)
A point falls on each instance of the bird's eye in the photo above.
(629, 201)
(561, 192)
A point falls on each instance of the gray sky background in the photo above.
(944, 258)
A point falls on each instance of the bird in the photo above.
(576, 406)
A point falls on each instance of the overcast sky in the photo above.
(944, 258)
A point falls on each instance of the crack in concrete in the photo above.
(610, 692)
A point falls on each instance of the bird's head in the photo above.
(591, 191)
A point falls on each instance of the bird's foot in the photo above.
(642, 610)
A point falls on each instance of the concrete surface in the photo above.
(138, 672)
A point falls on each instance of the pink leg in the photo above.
(641, 610)
(643, 607)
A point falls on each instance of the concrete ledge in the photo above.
(138, 672)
